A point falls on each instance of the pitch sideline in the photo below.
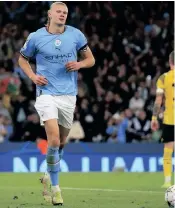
(111, 190)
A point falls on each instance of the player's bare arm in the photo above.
(156, 110)
(25, 66)
(87, 61)
(157, 104)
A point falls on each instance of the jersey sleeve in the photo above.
(29, 47)
(160, 84)
(81, 41)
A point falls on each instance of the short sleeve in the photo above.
(81, 41)
(160, 84)
(29, 48)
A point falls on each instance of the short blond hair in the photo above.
(171, 58)
(55, 3)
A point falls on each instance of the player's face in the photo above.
(58, 14)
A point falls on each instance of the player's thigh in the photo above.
(46, 108)
(65, 120)
(168, 136)
(65, 117)
(66, 107)
(64, 132)
(53, 133)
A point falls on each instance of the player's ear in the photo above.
(49, 14)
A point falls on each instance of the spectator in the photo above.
(83, 90)
(8, 127)
(118, 103)
(76, 133)
(76, 17)
(126, 118)
(116, 130)
(143, 91)
(139, 129)
(19, 115)
(126, 93)
(136, 102)
(32, 130)
(150, 103)
(3, 131)
(4, 112)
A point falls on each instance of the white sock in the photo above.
(46, 174)
(167, 179)
(56, 188)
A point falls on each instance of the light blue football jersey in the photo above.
(52, 53)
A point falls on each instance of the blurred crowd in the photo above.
(131, 42)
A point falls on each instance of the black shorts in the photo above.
(168, 133)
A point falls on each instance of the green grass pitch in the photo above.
(85, 190)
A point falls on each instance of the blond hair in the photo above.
(171, 58)
(55, 3)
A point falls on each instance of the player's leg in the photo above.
(63, 136)
(65, 122)
(46, 178)
(53, 158)
(48, 113)
(66, 108)
(167, 163)
(168, 139)
(65, 119)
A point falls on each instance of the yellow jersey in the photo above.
(166, 85)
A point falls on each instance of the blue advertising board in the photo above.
(86, 158)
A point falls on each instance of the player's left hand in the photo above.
(73, 66)
(154, 125)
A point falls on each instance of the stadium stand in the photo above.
(131, 42)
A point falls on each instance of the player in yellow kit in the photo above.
(165, 89)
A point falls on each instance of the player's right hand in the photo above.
(154, 125)
(39, 80)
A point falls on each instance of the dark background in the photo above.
(131, 42)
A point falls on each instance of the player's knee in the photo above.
(53, 140)
(55, 143)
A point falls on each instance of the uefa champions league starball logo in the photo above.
(57, 43)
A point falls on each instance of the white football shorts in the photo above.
(56, 107)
